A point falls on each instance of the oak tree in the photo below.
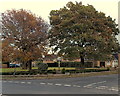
(79, 31)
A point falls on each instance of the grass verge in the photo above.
(53, 76)
(19, 69)
(50, 68)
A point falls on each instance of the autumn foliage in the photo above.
(24, 36)
(77, 31)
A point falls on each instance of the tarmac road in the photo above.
(106, 84)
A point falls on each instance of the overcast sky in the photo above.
(43, 7)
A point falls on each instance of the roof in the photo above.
(50, 57)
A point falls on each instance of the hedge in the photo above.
(63, 71)
(70, 64)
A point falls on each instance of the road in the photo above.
(106, 84)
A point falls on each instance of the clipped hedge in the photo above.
(70, 64)
(55, 64)
(87, 70)
(54, 71)
(6, 73)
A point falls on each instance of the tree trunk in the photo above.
(8, 65)
(82, 61)
(24, 65)
(29, 64)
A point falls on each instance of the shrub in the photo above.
(49, 71)
(33, 72)
(7, 73)
(108, 69)
(42, 67)
(63, 71)
(70, 64)
(71, 71)
(54, 71)
(55, 64)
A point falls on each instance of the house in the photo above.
(114, 63)
(50, 58)
(111, 63)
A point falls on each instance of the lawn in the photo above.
(50, 68)
(19, 69)
(12, 69)
(56, 68)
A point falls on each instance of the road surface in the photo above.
(106, 84)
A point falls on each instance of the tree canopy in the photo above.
(80, 31)
(24, 36)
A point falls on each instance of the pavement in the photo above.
(105, 84)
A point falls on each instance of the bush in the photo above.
(86, 70)
(55, 64)
(63, 71)
(54, 71)
(6, 73)
(49, 71)
(22, 73)
(42, 67)
(33, 72)
(16, 73)
(70, 64)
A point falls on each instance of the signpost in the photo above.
(59, 60)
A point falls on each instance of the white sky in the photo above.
(43, 7)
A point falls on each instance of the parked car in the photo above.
(14, 65)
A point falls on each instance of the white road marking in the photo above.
(58, 84)
(10, 81)
(102, 87)
(50, 83)
(97, 83)
(4, 81)
(28, 82)
(101, 82)
(92, 83)
(75, 85)
(78, 86)
(43, 83)
(88, 86)
(67, 85)
(22, 82)
(113, 89)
